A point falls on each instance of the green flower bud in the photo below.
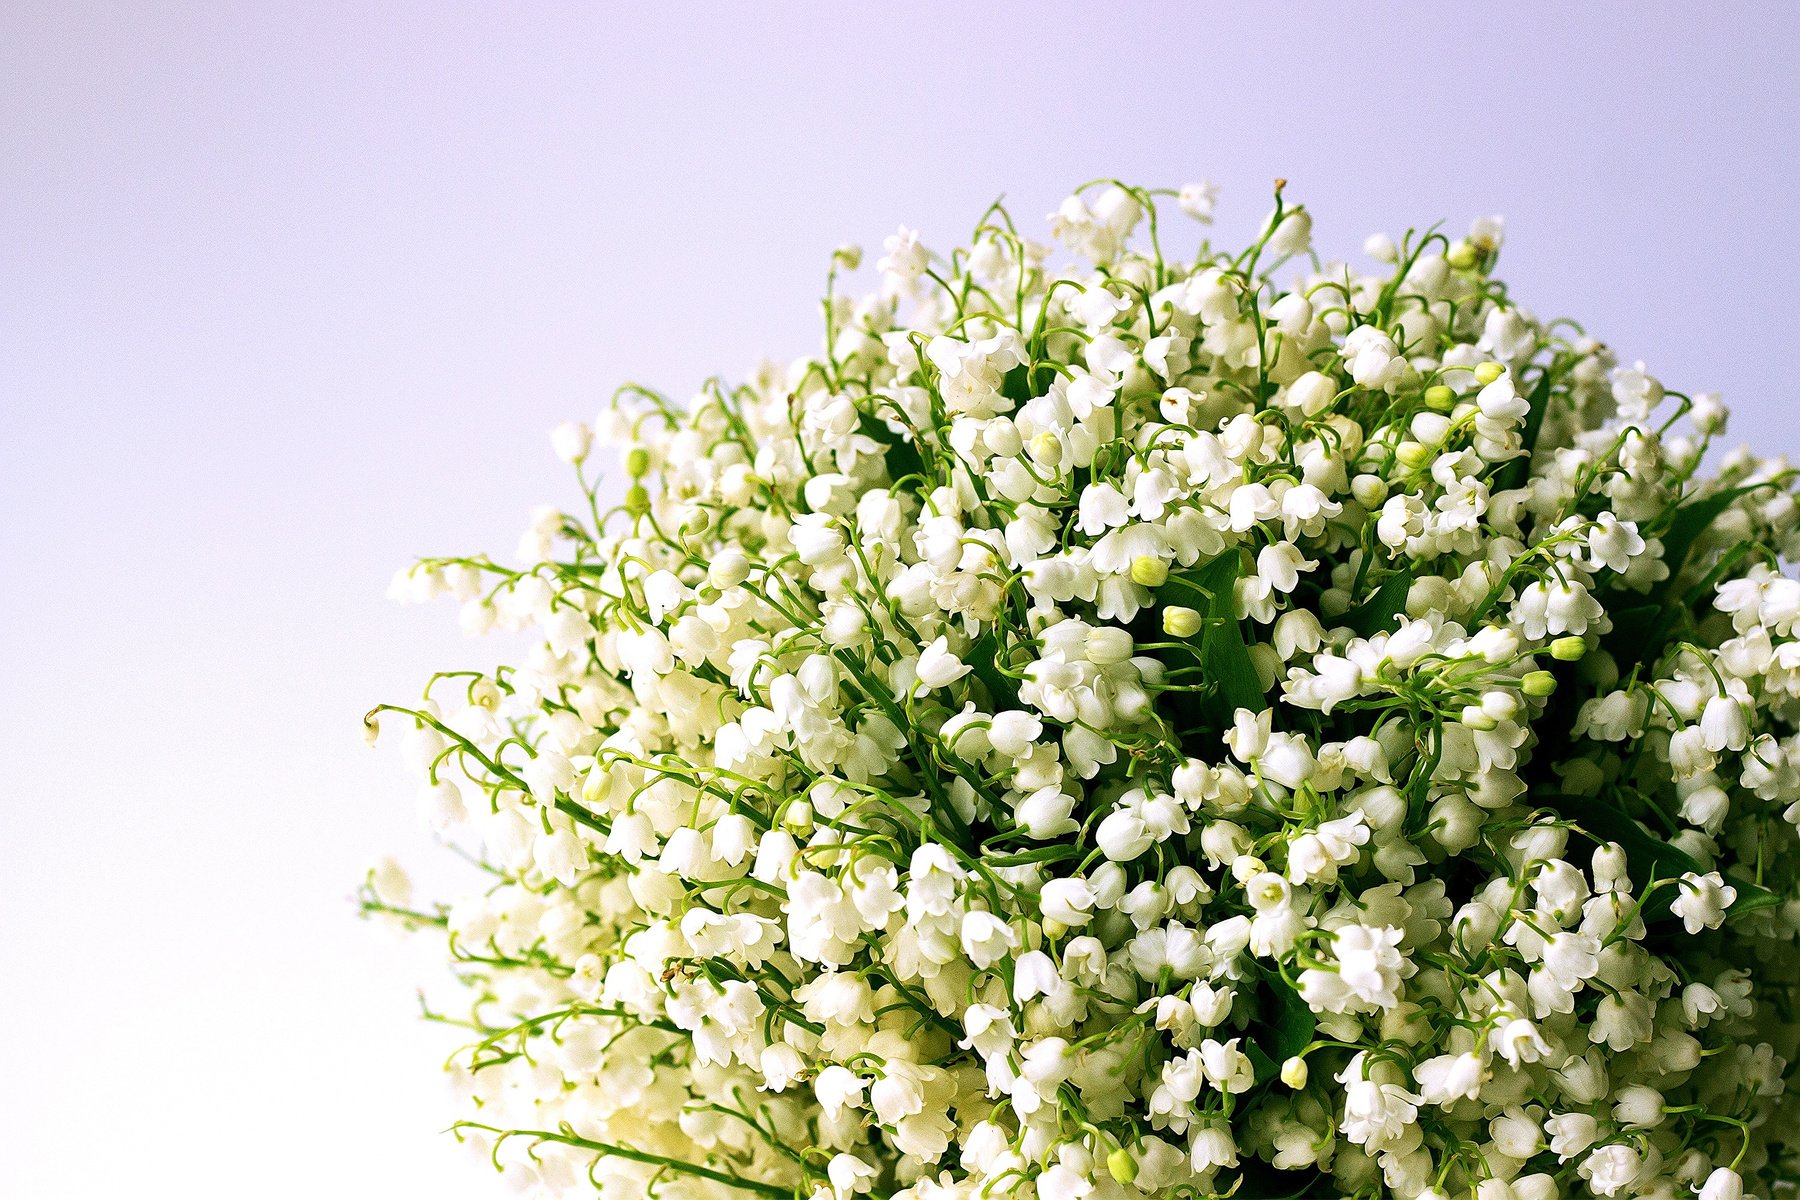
(798, 819)
(637, 500)
(1463, 255)
(637, 462)
(1440, 397)
(1538, 683)
(1149, 570)
(1294, 1072)
(1568, 649)
(1413, 455)
(1121, 1165)
(1487, 372)
(1180, 622)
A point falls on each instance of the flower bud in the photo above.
(1108, 645)
(1123, 836)
(1149, 570)
(1291, 234)
(637, 462)
(729, 568)
(389, 881)
(1609, 868)
(1370, 490)
(1312, 393)
(1476, 717)
(1381, 248)
(1568, 649)
(1293, 1073)
(1121, 1165)
(571, 441)
(1413, 455)
(1487, 372)
(798, 819)
(1538, 683)
(1722, 1184)
(1431, 428)
(1500, 705)
(1002, 437)
(737, 485)
(1246, 867)
(1180, 622)
(1638, 1107)
(1292, 314)
(1540, 1185)
(1440, 398)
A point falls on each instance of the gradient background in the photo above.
(294, 292)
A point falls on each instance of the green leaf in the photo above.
(983, 659)
(1026, 383)
(1640, 632)
(1284, 1026)
(1377, 613)
(1751, 897)
(1692, 520)
(1259, 1180)
(1219, 646)
(1290, 1023)
(943, 809)
(1534, 420)
(1635, 624)
(902, 457)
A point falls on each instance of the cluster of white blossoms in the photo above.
(1114, 727)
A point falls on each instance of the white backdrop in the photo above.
(295, 292)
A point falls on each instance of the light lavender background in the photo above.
(292, 292)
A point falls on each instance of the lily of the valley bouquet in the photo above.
(1120, 725)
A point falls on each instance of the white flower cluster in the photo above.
(1113, 727)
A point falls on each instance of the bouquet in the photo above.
(1116, 723)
